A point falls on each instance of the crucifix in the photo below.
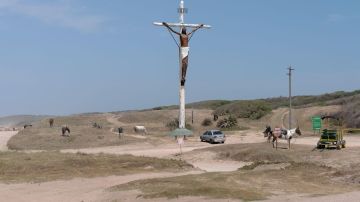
(184, 38)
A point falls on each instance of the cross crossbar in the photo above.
(182, 25)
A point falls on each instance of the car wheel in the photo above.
(211, 141)
(319, 146)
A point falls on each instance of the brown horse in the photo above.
(51, 122)
(121, 131)
(65, 129)
(27, 125)
(268, 133)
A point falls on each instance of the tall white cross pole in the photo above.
(183, 53)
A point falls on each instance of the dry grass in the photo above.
(51, 139)
(155, 120)
(350, 113)
(248, 185)
(262, 152)
(301, 170)
(83, 135)
(209, 185)
(48, 166)
(76, 120)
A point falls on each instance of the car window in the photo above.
(218, 133)
(209, 133)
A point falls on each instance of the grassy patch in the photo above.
(260, 152)
(83, 135)
(209, 185)
(248, 185)
(48, 166)
(45, 138)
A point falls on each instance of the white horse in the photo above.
(284, 134)
(140, 129)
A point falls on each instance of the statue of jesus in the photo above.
(184, 48)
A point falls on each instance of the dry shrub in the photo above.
(174, 124)
(350, 113)
(206, 122)
(229, 122)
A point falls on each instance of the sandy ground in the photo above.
(4, 138)
(171, 148)
(72, 190)
(346, 197)
(94, 189)
(207, 161)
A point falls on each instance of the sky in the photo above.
(60, 57)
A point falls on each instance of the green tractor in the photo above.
(332, 137)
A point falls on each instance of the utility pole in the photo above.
(184, 38)
(192, 115)
(290, 104)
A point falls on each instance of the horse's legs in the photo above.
(273, 141)
(289, 142)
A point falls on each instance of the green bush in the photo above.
(245, 109)
(229, 122)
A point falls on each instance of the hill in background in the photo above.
(246, 109)
(256, 109)
(20, 120)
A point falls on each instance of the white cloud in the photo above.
(60, 13)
